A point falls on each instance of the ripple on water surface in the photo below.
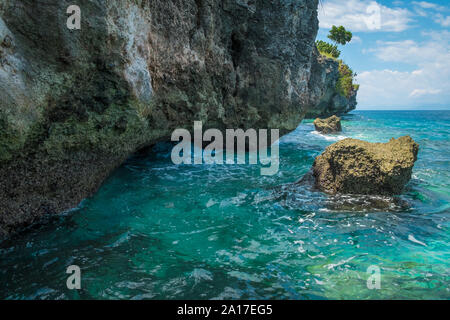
(160, 231)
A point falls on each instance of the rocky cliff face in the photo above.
(325, 76)
(74, 104)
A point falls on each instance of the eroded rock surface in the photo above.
(74, 104)
(328, 125)
(325, 77)
(359, 167)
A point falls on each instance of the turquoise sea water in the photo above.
(156, 230)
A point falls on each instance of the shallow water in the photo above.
(161, 231)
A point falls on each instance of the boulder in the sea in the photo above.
(359, 167)
(328, 125)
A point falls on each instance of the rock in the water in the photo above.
(328, 125)
(359, 167)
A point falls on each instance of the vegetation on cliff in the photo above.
(339, 35)
(345, 85)
(327, 49)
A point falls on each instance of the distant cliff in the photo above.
(336, 79)
(74, 104)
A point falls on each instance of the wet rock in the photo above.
(365, 203)
(328, 125)
(358, 167)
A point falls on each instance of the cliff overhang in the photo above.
(74, 104)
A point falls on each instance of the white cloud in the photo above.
(432, 10)
(421, 92)
(421, 12)
(363, 15)
(428, 5)
(443, 21)
(428, 84)
(424, 4)
(356, 39)
(409, 51)
(390, 88)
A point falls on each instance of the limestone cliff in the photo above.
(325, 77)
(74, 104)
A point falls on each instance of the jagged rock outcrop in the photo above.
(359, 167)
(74, 104)
(328, 125)
(325, 77)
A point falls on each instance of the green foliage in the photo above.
(339, 35)
(328, 49)
(345, 85)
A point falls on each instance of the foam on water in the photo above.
(156, 230)
(334, 137)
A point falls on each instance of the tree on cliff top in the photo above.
(339, 35)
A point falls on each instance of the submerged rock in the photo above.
(359, 167)
(328, 125)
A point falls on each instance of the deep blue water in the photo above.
(156, 230)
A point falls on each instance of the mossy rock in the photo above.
(328, 125)
(358, 167)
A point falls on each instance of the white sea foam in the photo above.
(210, 203)
(329, 137)
(412, 239)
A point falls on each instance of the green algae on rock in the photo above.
(358, 167)
(338, 95)
(328, 125)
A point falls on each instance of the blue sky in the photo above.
(400, 50)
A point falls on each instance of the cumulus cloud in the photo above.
(356, 39)
(428, 84)
(432, 10)
(428, 5)
(421, 92)
(363, 15)
(442, 20)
